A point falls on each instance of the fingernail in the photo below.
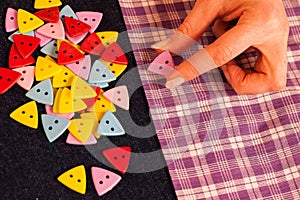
(174, 82)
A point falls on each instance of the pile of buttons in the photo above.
(67, 82)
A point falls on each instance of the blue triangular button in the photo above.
(42, 93)
(100, 73)
(67, 11)
(50, 49)
(54, 126)
(110, 125)
(30, 33)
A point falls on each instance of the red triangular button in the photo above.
(16, 60)
(114, 54)
(76, 27)
(7, 79)
(26, 44)
(92, 45)
(49, 15)
(119, 157)
(68, 54)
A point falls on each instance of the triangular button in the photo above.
(8, 78)
(67, 41)
(26, 115)
(103, 105)
(28, 21)
(53, 30)
(119, 157)
(27, 78)
(49, 14)
(63, 101)
(42, 93)
(30, 33)
(42, 4)
(11, 20)
(104, 180)
(114, 54)
(119, 96)
(63, 78)
(26, 45)
(92, 45)
(74, 179)
(16, 60)
(72, 140)
(110, 125)
(67, 11)
(50, 49)
(68, 54)
(91, 18)
(163, 64)
(100, 73)
(81, 89)
(46, 68)
(108, 37)
(81, 68)
(75, 27)
(81, 129)
(54, 126)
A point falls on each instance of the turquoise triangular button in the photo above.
(50, 49)
(67, 11)
(42, 93)
(54, 126)
(100, 73)
(110, 125)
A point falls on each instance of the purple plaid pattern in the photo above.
(219, 145)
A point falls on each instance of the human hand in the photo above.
(262, 25)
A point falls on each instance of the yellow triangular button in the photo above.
(75, 179)
(65, 101)
(67, 41)
(81, 129)
(26, 115)
(56, 100)
(41, 4)
(78, 105)
(116, 69)
(63, 78)
(108, 37)
(102, 105)
(46, 68)
(28, 21)
(81, 89)
(96, 117)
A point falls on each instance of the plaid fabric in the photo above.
(219, 145)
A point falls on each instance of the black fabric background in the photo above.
(30, 164)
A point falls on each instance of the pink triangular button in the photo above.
(104, 180)
(91, 18)
(76, 40)
(44, 39)
(81, 68)
(27, 78)
(162, 64)
(72, 140)
(85, 68)
(119, 96)
(11, 20)
(53, 30)
(49, 111)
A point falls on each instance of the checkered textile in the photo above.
(217, 144)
